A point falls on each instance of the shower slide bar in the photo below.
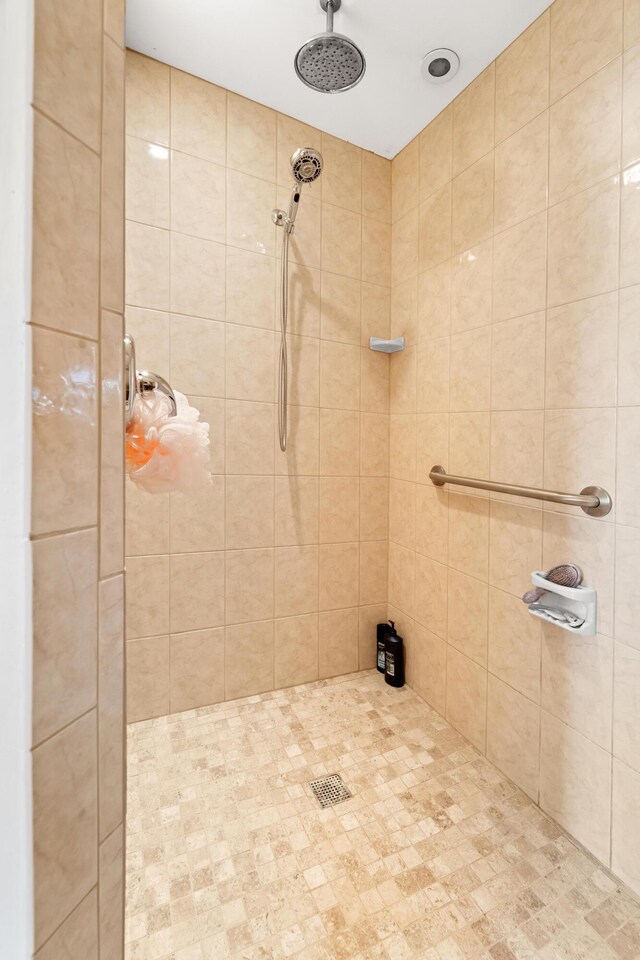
(595, 501)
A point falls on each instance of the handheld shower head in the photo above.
(330, 62)
(305, 165)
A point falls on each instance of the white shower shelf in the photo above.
(386, 346)
(582, 601)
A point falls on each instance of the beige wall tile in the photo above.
(518, 363)
(197, 598)
(302, 454)
(249, 585)
(147, 266)
(585, 34)
(471, 287)
(247, 228)
(339, 375)
(628, 509)
(151, 331)
(341, 241)
(65, 571)
(469, 535)
(630, 227)
(432, 442)
(339, 443)
(251, 137)
(514, 644)
(583, 244)
(339, 509)
(402, 377)
(374, 569)
(376, 312)
(629, 347)
(625, 852)
(250, 357)
(434, 308)
(147, 98)
(342, 173)
(297, 510)
(369, 617)
(305, 245)
(147, 522)
(515, 546)
(472, 205)
(520, 269)
(338, 642)
(374, 508)
(522, 173)
(631, 108)
(404, 310)
(66, 230)
(577, 681)
(590, 434)
(376, 251)
(147, 188)
(374, 445)
(468, 604)
(249, 437)
(402, 512)
(67, 82)
(581, 353)
(77, 937)
(431, 595)
(516, 447)
(113, 176)
(198, 117)
(432, 522)
(111, 893)
(575, 784)
(627, 557)
(631, 22)
(249, 512)
(522, 79)
(111, 445)
(296, 650)
(585, 130)
(64, 490)
(197, 519)
(148, 684)
(434, 228)
(198, 197)
(338, 575)
(65, 823)
(433, 375)
(401, 585)
(401, 456)
(467, 697)
(404, 180)
(471, 370)
(111, 703)
(250, 289)
(374, 381)
(626, 705)
(296, 580)
(473, 121)
(376, 187)
(304, 367)
(148, 580)
(197, 277)
(430, 668)
(249, 659)
(436, 153)
(404, 248)
(469, 450)
(340, 309)
(513, 735)
(197, 356)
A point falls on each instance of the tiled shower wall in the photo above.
(269, 577)
(515, 273)
(77, 474)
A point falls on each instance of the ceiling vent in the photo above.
(440, 65)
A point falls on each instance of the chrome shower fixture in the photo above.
(330, 62)
(306, 167)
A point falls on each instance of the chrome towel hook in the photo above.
(139, 382)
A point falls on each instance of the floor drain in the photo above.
(330, 790)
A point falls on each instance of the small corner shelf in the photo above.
(583, 601)
(386, 346)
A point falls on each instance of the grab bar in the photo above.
(593, 500)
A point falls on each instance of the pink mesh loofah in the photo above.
(167, 453)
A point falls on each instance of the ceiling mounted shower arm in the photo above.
(330, 6)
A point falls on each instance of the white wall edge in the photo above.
(16, 164)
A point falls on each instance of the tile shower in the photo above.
(502, 245)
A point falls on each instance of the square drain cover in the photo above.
(330, 790)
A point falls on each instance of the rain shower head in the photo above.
(306, 165)
(330, 62)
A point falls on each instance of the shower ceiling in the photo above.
(249, 45)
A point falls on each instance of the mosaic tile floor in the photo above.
(437, 855)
